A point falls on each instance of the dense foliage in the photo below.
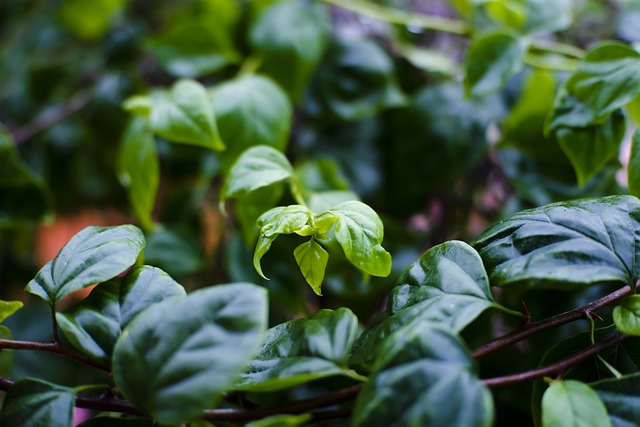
(311, 188)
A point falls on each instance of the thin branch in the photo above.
(533, 328)
(559, 367)
(52, 116)
(52, 347)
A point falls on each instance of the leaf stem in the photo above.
(533, 328)
(54, 348)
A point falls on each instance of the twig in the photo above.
(558, 367)
(533, 328)
(54, 348)
(52, 116)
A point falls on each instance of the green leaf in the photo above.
(139, 169)
(572, 403)
(633, 108)
(6, 356)
(282, 421)
(312, 260)
(590, 149)
(177, 357)
(94, 255)
(532, 16)
(251, 110)
(89, 20)
(633, 169)
(510, 13)
(491, 59)
(262, 247)
(621, 396)
(626, 316)
(447, 285)
(94, 325)
(303, 350)
(184, 114)
(7, 308)
(256, 167)
(174, 249)
(565, 245)
(360, 231)
(607, 79)
(250, 207)
(284, 220)
(35, 403)
(291, 36)
(424, 376)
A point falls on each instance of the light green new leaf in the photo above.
(291, 36)
(303, 350)
(282, 421)
(94, 255)
(139, 169)
(360, 231)
(184, 114)
(573, 404)
(621, 396)
(592, 148)
(262, 247)
(251, 110)
(7, 308)
(6, 356)
(36, 403)
(424, 377)
(176, 357)
(565, 245)
(89, 20)
(256, 167)
(626, 316)
(94, 325)
(491, 59)
(312, 260)
(633, 169)
(607, 79)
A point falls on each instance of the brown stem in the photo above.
(533, 328)
(558, 367)
(54, 348)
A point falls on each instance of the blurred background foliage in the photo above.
(371, 106)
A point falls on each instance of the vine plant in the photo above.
(171, 358)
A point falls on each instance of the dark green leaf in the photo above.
(7, 308)
(360, 231)
(491, 59)
(572, 404)
(184, 114)
(139, 169)
(590, 149)
(303, 350)
(424, 376)
(291, 35)
(626, 316)
(35, 403)
(633, 169)
(177, 356)
(621, 396)
(251, 110)
(94, 255)
(312, 260)
(565, 245)
(94, 325)
(175, 250)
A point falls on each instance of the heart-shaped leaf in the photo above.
(626, 316)
(94, 255)
(35, 403)
(572, 404)
(312, 260)
(176, 357)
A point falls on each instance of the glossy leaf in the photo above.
(572, 403)
(291, 36)
(282, 421)
(312, 260)
(139, 169)
(184, 114)
(424, 376)
(251, 110)
(633, 168)
(447, 285)
(177, 356)
(621, 397)
(94, 325)
(94, 255)
(303, 350)
(36, 403)
(590, 149)
(256, 167)
(491, 59)
(565, 245)
(626, 315)
(7, 308)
